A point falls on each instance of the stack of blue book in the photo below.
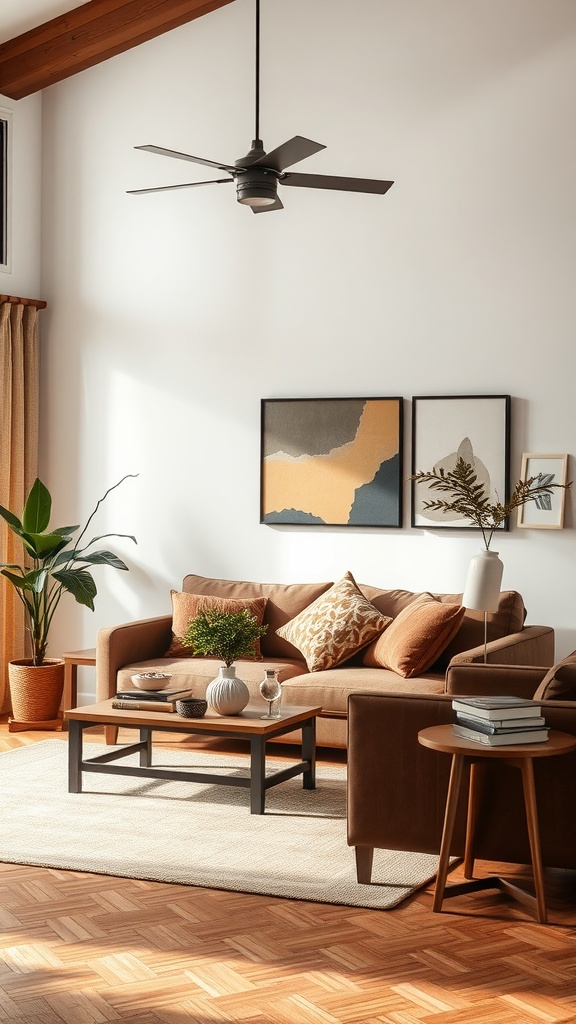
(161, 696)
(498, 721)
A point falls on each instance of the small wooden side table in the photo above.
(71, 661)
(521, 756)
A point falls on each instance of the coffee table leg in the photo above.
(309, 753)
(257, 774)
(146, 752)
(74, 756)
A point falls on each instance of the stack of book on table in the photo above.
(148, 700)
(498, 721)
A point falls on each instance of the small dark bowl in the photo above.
(192, 707)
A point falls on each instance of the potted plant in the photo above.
(225, 635)
(53, 565)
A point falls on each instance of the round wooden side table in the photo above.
(521, 756)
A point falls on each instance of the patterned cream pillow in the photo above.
(335, 626)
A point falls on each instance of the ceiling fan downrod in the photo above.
(257, 186)
(257, 143)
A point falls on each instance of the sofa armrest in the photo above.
(533, 645)
(117, 646)
(479, 680)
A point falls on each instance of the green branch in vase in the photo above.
(468, 498)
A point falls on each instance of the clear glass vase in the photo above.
(271, 690)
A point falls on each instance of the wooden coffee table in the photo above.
(248, 725)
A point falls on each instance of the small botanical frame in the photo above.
(546, 512)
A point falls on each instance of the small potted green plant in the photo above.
(53, 565)
(229, 636)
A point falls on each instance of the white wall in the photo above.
(171, 315)
(21, 276)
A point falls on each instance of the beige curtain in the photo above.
(18, 465)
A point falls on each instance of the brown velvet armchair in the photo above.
(397, 788)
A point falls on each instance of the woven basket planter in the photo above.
(36, 690)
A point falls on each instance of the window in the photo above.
(5, 126)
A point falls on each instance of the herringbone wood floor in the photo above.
(84, 949)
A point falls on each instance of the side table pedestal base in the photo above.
(493, 882)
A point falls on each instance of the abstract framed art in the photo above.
(331, 462)
(546, 512)
(475, 428)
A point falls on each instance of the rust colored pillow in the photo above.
(186, 607)
(335, 626)
(416, 637)
(559, 683)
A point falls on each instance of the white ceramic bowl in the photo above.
(151, 680)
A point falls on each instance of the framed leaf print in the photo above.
(475, 428)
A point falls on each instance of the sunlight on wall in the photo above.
(171, 316)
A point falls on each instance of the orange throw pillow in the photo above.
(186, 607)
(416, 637)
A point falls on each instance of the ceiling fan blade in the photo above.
(278, 205)
(289, 153)
(335, 182)
(186, 156)
(170, 188)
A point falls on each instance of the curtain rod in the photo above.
(39, 303)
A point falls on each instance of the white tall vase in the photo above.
(227, 694)
(482, 590)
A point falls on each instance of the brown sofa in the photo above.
(141, 646)
(397, 788)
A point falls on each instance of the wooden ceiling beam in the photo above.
(86, 36)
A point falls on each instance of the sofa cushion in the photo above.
(285, 600)
(416, 637)
(196, 673)
(389, 602)
(186, 607)
(334, 626)
(508, 619)
(332, 687)
(560, 682)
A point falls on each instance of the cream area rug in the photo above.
(194, 834)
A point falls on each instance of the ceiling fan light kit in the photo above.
(256, 186)
(258, 174)
(256, 189)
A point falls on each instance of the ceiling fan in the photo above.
(258, 174)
